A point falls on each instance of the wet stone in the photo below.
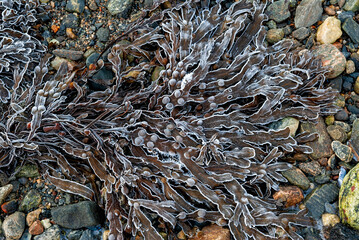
(342, 151)
(301, 33)
(31, 200)
(278, 11)
(68, 54)
(315, 201)
(71, 21)
(36, 228)
(14, 225)
(92, 58)
(288, 196)
(307, 13)
(321, 147)
(119, 6)
(274, 35)
(52, 233)
(313, 168)
(75, 6)
(5, 191)
(296, 177)
(337, 133)
(332, 58)
(103, 34)
(28, 171)
(67, 216)
(342, 232)
(31, 217)
(352, 29)
(10, 206)
(351, 5)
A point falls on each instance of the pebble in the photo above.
(307, 13)
(46, 223)
(342, 115)
(278, 11)
(345, 126)
(329, 120)
(75, 6)
(342, 151)
(350, 67)
(344, 15)
(213, 232)
(31, 217)
(91, 215)
(10, 206)
(296, 177)
(119, 6)
(14, 225)
(31, 200)
(103, 34)
(315, 201)
(36, 228)
(87, 234)
(351, 5)
(336, 83)
(321, 147)
(288, 196)
(313, 168)
(290, 122)
(352, 29)
(332, 58)
(274, 35)
(27, 171)
(52, 233)
(330, 11)
(5, 191)
(74, 234)
(342, 232)
(68, 54)
(301, 33)
(356, 86)
(70, 33)
(70, 21)
(57, 61)
(337, 133)
(330, 220)
(329, 31)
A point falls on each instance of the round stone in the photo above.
(331, 58)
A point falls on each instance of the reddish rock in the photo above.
(213, 232)
(9, 207)
(33, 216)
(288, 196)
(332, 58)
(36, 228)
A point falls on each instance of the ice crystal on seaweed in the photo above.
(193, 145)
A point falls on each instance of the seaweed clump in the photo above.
(192, 145)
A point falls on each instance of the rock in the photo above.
(92, 5)
(31, 217)
(68, 54)
(344, 15)
(307, 13)
(288, 196)
(275, 35)
(272, 24)
(345, 126)
(330, 11)
(321, 147)
(315, 201)
(68, 217)
(31, 200)
(351, 5)
(28, 171)
(342, 151)
(356, 86)
(75, 6)
(350, 67)
(278, 11)
(341, 115)
(290, 122)
(14, 225)
(329, 120)
(56, 63)
(103, 34)
(330, 220)
(36, 228)
(329, 31)
(337, 133)
(301, 33)
(74, 235)
(324, 177)
(26, 235)
(332, 58)
(46, 223)
(119, 6)
(352, 29)
(213, 232)
(70, 21)
(342, 232)
(313, 168)
(87, 234)
(5, 191)
(9, 207)
(52, 233)
(354, 139)
(296, 177)
(92, 58)
(349, 198)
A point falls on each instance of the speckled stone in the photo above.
(332, 58)
(307, 13)
(119, 6)
(278, 11)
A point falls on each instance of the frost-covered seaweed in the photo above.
(193, 145)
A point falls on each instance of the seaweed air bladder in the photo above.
(190, 145)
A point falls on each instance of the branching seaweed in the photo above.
(193, 145)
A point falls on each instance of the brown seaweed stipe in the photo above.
(191, 146)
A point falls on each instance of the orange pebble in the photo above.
(55, 28)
